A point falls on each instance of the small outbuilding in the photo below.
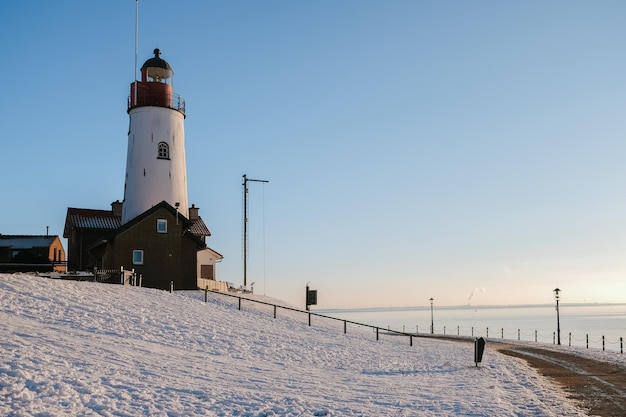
(32, 253)
(85, 226)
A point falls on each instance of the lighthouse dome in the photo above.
(156, 68)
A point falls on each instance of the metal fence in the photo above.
(500, 333)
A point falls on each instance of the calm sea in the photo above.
(579, 323)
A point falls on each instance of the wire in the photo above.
(264, 269)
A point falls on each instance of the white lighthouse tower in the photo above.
(155, 166)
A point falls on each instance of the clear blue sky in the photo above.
(414, 149)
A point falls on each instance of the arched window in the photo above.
(164, 151)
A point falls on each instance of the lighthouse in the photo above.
(153, 232)
(155, 163)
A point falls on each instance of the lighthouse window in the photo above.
(164, 151)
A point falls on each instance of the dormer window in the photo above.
(164, 151)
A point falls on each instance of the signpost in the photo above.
(311, 297)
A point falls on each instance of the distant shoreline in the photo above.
(459, 307)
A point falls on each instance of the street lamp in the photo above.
(432, 322)
(558, 321)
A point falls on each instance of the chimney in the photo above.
(193, 213)
(116, 208)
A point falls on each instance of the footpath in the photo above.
(600, 387)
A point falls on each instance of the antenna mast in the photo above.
(136, 45)
(245, 226)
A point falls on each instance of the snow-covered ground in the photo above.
(80, 349)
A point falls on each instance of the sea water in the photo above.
(580, 324)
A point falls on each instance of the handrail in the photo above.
(345, 321)
(157, 98)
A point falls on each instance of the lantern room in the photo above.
(156, 70)
(155, 87)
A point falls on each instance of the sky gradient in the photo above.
(465, 151)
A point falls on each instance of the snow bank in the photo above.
(84, 349)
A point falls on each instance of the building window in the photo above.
(137, 257)
(164, 151)
(161, 226)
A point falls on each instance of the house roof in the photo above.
(198, 228)
(199, 225)
(27, 241)
(218, 255)
(80, 218)
(105, 220)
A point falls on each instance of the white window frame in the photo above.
(161, 225)
(163, 151)
(137, 257)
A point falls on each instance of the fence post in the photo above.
(503, 332)
(345, 327)
(376, 333)
(458, 331)
(472, 331)
(444, 330)
(603, 343)
(570, 338)
(487, 331)
(309, 318)
(587, 337)
(518, 335)
(140, 279)
(535, 336)
(122, 275)
(553, 338)
(206, 294)
(239, 303)
(274, 310)
(410, 340)
(171, 286)
(621, 345)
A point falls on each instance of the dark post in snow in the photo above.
(479, 348)
(171, 286)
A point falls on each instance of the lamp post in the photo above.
(432, 322)
(558, 321)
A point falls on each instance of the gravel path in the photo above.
(599, 386)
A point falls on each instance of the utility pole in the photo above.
(245, 225)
